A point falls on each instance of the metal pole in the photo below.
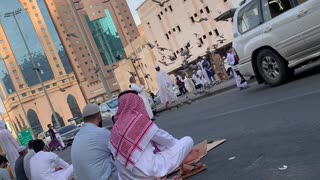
(37, 72)
(20, 102)
(94, 58)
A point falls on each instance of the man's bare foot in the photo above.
(193, 155)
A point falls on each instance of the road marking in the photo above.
(284, 167)
(267, 103)
(231, 158)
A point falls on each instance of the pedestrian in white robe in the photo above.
(142, 150)
(189, 84)
(165, 86)
(203, 71)
(47, 165)
(9, 145)
(142, 94)
(232, 62)
(59, 138)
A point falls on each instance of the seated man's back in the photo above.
(91, 157)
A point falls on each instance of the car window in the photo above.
(273, 8)
(248, 17)
(103, 108)
(67, 129)
(113, 104)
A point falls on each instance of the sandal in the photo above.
(190, 170)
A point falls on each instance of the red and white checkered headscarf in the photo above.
(132, 131)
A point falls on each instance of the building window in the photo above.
(77, 41)
(169, 32)
(159, 16)
(18, 80)
(167, 36)
(216, 32)
(24, 94)
(201, 41)
(54, 84)
(64, 81)
(86, 62)
(14, 72)
(174, 29)
(210, 33)
(58, 65)
(20, 86)
(165, 9)
(179, 29)
(54, 58)
(60, 73)
(192, 19)
(207, 9)
(195, 15)
(83, 55)
(33, 92)
(93, 13)
(47, 86)
(36, 15)
(170, 7)
(40, 89)
(201, 11)
(204, 37)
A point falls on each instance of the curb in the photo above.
(205, 96)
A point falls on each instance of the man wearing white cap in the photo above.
(19, 168)
(90, 153)
(165, 86)
(9, 145)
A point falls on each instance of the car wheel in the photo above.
(272, 68)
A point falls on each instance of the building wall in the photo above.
(17, 69)
(176, 28)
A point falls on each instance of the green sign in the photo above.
(24, 137)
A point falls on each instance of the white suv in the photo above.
(273, 37)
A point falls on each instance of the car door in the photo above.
(280, 30)
(247, 31)
(308, 19)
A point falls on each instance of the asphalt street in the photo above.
(272, 133)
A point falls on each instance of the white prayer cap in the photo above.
(90, 109)
(21, 148)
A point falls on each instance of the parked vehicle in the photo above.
(108, 109)
(68, 133)
(273, 37)
(228, 68)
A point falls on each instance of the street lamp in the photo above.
(14, 13)
(93, 55)
(20, 102)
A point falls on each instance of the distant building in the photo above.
(171, 27)
(109, 26)
(17, 74)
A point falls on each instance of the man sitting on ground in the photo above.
(91, 157)
(144, 151)
(47, 165)
(19, 166)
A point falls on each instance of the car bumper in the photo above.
(246, 69)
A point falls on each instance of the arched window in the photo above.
(34, 122)
(73, 105)
(60, 119)
(19, 125)
(23, 124)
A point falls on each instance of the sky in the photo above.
(134, 4)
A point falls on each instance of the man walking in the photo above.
(19, 167)
(90, 153)
(232, 61)
(165, 86)
(55, 136)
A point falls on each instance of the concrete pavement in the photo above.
(266, 128)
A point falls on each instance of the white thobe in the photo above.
(203, 80)
(231, 61)
(9, 146)
(204, 72)
(188, 83)
(152, 165)
(144, 96)
(26, 162)
(43, 164)
(165, 86)
(196, 79)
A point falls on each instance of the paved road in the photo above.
(265, 129)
